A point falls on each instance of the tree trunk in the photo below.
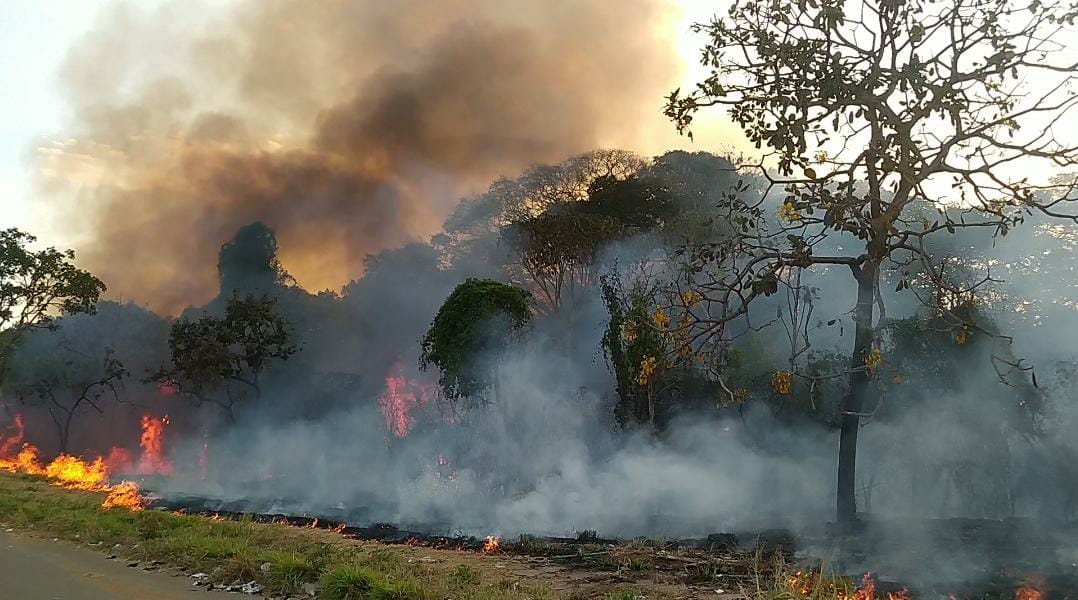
(853, 403)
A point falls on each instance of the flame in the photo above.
(119, 460)
(492, 544)
(1032, 589)
(1027, 593)
(69, 471)
(125, 494)
(153, 460)
(338, 529)
(26, 461)
(398, 400)
(75, 473)
(14, 440)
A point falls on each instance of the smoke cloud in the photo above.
(350, 127)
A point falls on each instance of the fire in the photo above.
(1032, 589)
(75, 473)
(119, 460)
(492, 544)
(14, 440)
(26, 461)
(399, 399)
(68, 471)
(810, 584)
(1027, 593)
(125, 494)
(153, 460)
(338, 529)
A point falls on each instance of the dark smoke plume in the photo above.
(349, 126)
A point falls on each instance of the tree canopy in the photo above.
(881, 124)
(37, 286)
(474, 324)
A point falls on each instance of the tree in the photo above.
(249, 263)
(475, 324)
(886, 123)
(635, 348)
(36, 287)
(64, 381)
(210, 355)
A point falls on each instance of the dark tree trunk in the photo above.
(854, 401)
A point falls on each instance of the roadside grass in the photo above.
(283, 559)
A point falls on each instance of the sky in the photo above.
(35, 36)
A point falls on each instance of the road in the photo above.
(34, 569)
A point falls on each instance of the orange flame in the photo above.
(125, 494)
(68, 471)
(397, 402)
(1032, 589)
(153, 459)
(12, 441)
(77, 474)
(492, 544)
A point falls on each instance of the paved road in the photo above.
(33, 569)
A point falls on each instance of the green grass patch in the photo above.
(283, 559)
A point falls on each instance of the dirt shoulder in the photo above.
(36, 569)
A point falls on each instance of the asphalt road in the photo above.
(34, 569)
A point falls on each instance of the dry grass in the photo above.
(279, 557)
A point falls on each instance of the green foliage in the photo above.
(210, 352)
(36, 286)
(474, 324)
(631, 342)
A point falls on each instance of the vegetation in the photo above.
(65, 383)
(472, 327)
(211, 354)
(889, 124)
(37, 286)
(231, 551)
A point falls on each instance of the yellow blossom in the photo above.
(962, 336)
(647, 368)
(690, 298)
(662, 320)
(781, 381)
(873, 359)
(789, 213)
(628, 332)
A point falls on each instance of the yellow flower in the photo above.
(690, 298)
(647, 368)
(662, 320)
(781, 381)
(962, 336)
(789, 213)
(873, 359)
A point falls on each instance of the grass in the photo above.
(283, 559)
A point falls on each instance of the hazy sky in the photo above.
(35, 36)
